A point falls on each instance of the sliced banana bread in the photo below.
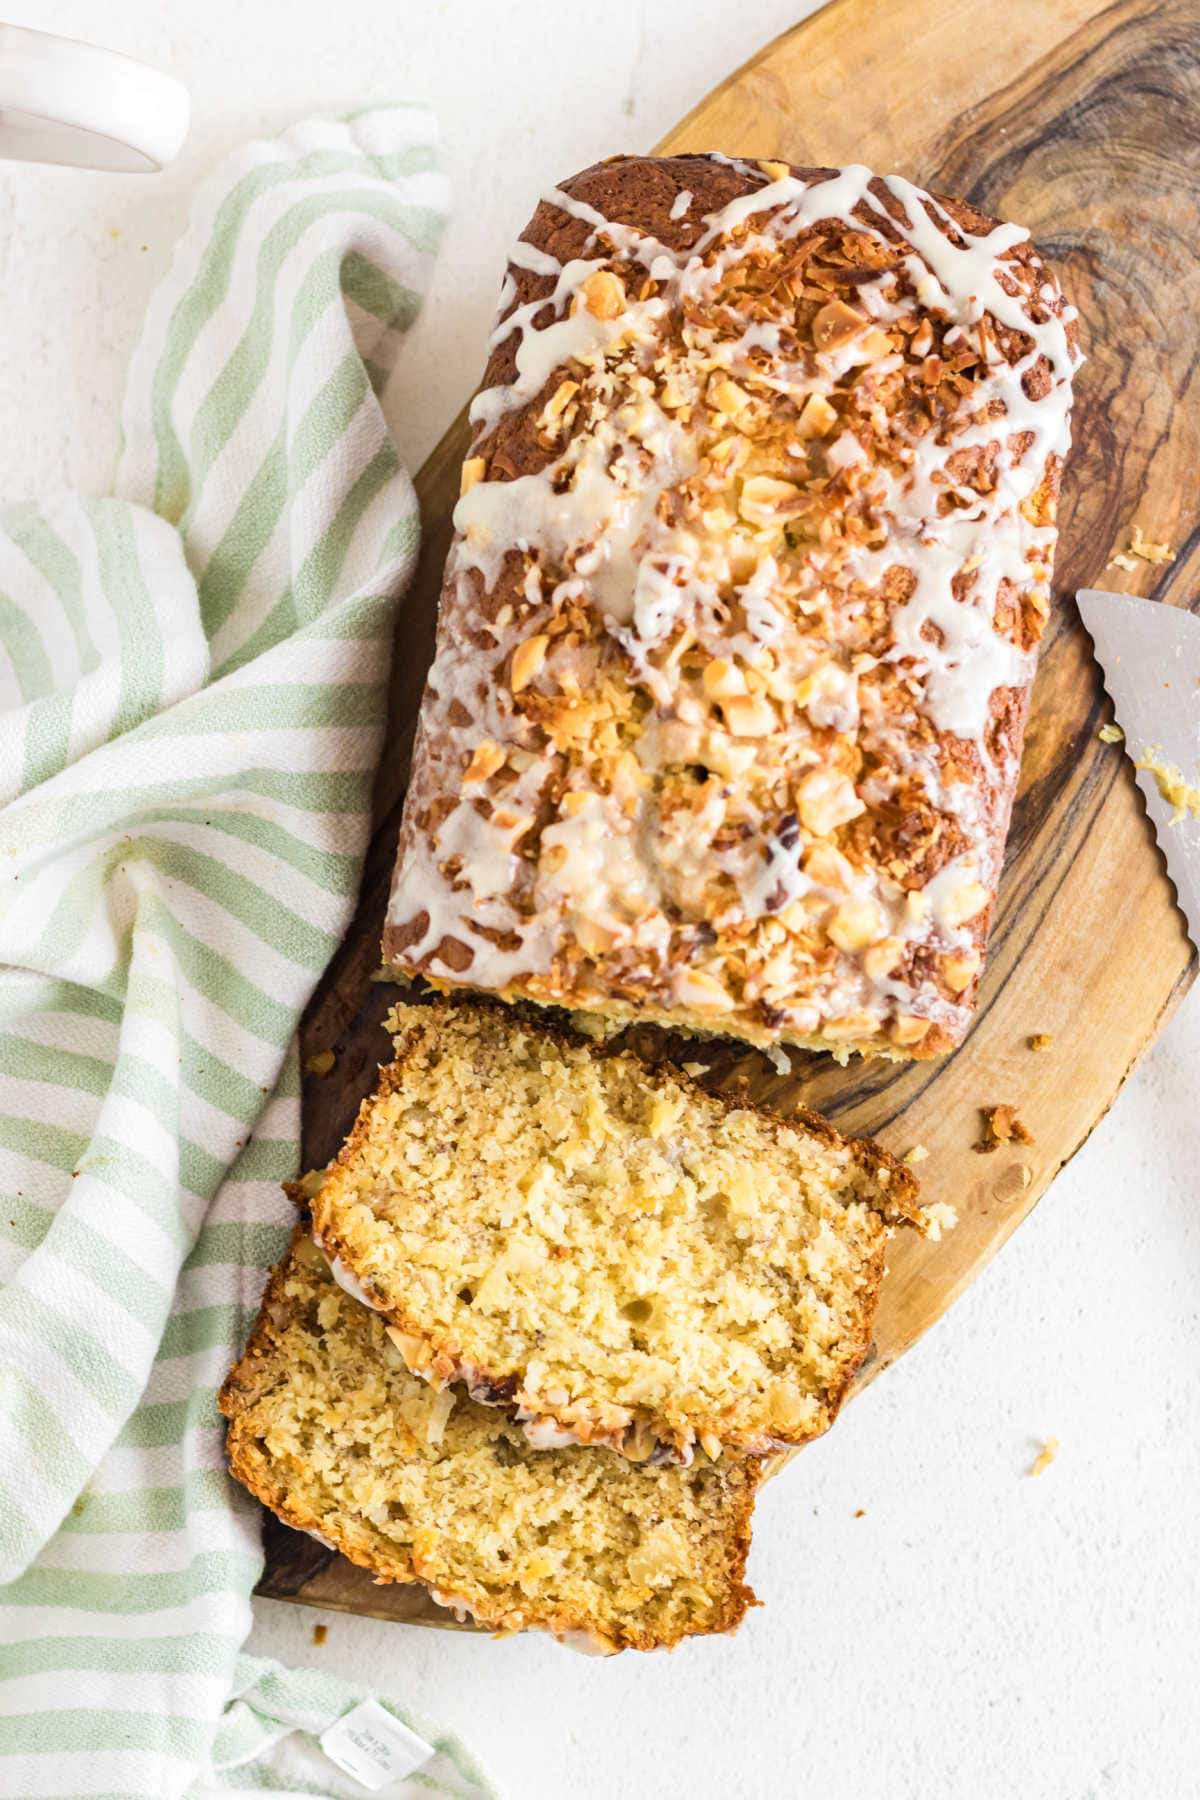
(331, 1431)
(604, 1248)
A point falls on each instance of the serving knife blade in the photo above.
(1150, 656)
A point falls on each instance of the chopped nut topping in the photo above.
(764, 500)
(722, 679)
(828, 867)
(882, 958)
(965, 902)
(704, 992)
(593, 939)
(854, 925)
(552, 413)
(473, 470)
(604, 294)
(728, 397)
(487, 759)
(527, 662)
(817, 418)
(749, 715)
(835, 325)
(960, 970)
(827, 799)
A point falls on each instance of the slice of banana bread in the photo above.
(331, 1431)
(604, 1248)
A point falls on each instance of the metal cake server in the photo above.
(1150, 655)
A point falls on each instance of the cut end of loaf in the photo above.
(604, 1248)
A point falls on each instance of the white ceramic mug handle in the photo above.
(62, 101)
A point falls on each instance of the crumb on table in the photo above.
(939, 1218)
(319, 1634)
(1041, 1040)
(1140, 549)
(1044, 1457)
(1002, 1126)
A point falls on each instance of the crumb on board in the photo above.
(1044, 1457)
(938, 1218)
(320, 1063)
(1139, 549)
(1172, 784)
(1111, 734)
(320, 1633)
(1002, 1126)
(1041, 1040)
(916, 1153)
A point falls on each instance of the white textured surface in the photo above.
(977, 1634)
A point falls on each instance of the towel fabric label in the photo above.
(373, 1747)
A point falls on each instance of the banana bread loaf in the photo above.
(739, 624)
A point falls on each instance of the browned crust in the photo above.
(640, 190)
(499, 1385)
(252, 1467)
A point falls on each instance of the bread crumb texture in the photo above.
(603, 1246)
(330, 1429)
(1141, 549)
(1002, 1126)
(1044, 1457)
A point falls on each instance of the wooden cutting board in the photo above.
(1083, 122)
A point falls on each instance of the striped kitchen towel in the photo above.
(192, 695)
